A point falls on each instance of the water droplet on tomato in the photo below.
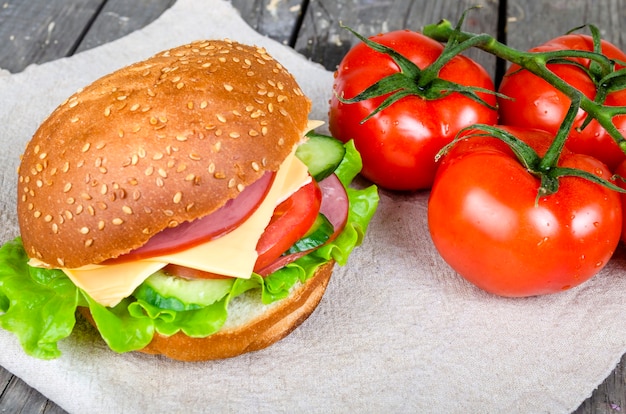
(599, 264)
(596, 224)
(542, 241)
(599, 172)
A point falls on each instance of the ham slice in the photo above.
(212, 226)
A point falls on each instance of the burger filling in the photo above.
(189, 291)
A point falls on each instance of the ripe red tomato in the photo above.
(399, 144)
(487, 223)
(537, 104)
(621, 171)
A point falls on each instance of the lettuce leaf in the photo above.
(39, 305)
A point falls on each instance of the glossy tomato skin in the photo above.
(485, 224)
(535, 103)
(399, 144)
(621, 172)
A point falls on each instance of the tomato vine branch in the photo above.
(536, 63)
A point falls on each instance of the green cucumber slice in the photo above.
(317, 235)
(170, 292)
(321, 154)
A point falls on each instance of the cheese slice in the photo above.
(233, 254)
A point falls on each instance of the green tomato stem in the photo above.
(536, 63)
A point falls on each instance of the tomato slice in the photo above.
(191, 273)
(291, 220)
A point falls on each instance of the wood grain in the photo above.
(37, 32)
(323, 40)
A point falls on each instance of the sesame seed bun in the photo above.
(152, 145)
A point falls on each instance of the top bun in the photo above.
(152, 145)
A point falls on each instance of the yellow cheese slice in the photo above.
(233, 254)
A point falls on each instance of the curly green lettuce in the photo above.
(39, 305)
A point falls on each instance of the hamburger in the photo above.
(183, 206)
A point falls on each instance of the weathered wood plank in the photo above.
(610, 396)
(534, 22)
(36, 32)
(121, 17)
(274, 18)
(323, 40)
(19, 397)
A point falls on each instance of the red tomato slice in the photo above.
(292, 219)
(191, 273)
(212, 226)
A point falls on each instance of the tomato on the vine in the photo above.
(620, 171)
(536, 103)
(398, 144)
(490, 224)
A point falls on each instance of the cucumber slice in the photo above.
(170, 292)
(317, 235)
(321, 154)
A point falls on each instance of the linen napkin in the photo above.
(397, 331)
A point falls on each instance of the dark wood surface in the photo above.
(37, 31)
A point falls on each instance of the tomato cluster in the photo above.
(511, 211)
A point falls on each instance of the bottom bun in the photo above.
(251, 325)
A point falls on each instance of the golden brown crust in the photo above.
(160, 142)
(260, 330)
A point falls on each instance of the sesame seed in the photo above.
(228, 87)
(240, 187)
(127, 210)
(88, 242)
(177, 197)
(180, 85)
(47, 218)
(203, 104)
(107, 111)
(67, 187)
(84, 230)
(134, 107)
(61, 262)
(234, 134)
(221, 118)
(117, 221)
(121, 97)
(55, 228)
(253, 133)
(85, 147)
(231, 183)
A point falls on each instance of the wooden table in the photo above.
(36, 31)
